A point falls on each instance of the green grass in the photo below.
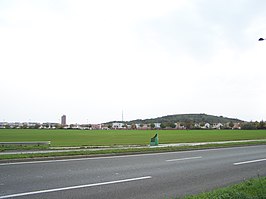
(251, 189)
(125, 137)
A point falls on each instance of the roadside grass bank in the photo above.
(122, 151)
(250, 189)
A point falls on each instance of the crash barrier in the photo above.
(25, 143)
(154, 140)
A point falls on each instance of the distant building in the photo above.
(207, 126)
(96, 126)
(63, 120)
(157, 125)
(237, 126)
(217, 126)
(117, 125)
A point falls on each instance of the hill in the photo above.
(195, 118)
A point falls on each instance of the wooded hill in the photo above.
(194, 118)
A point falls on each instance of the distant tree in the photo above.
(231, 124)
(7, 126)
(262, 125)
(163, 126)
(172, 125)
(249, 126)
(37, 126)
(202, 124)
(152, 125)
(133, 126)
(188, 124)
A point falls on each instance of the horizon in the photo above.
(59, 120)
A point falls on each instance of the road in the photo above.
(160, 175)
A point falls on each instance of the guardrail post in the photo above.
(38, 143)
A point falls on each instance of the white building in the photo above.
(217, 126)
(117, 125)
(157, 125)
(207, 126)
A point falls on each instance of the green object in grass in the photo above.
(155, 140)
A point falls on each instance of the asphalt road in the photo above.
(162, 175)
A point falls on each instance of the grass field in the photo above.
(125, 137)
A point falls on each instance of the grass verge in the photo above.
(251, 189)
(124, 151)
(23, 148)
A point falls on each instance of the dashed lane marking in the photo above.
(74, 187)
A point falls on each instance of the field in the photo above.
(125, 137)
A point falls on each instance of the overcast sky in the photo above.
(91, 60)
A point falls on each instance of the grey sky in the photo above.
(92, 59)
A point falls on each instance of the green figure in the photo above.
(155, 140)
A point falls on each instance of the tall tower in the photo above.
(63, 120)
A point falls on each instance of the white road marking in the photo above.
(75, 187)
(180, 159)
(118, 156)
(250, 161)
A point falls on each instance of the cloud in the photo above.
(201, 28)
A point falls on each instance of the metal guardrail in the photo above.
(25, 143)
